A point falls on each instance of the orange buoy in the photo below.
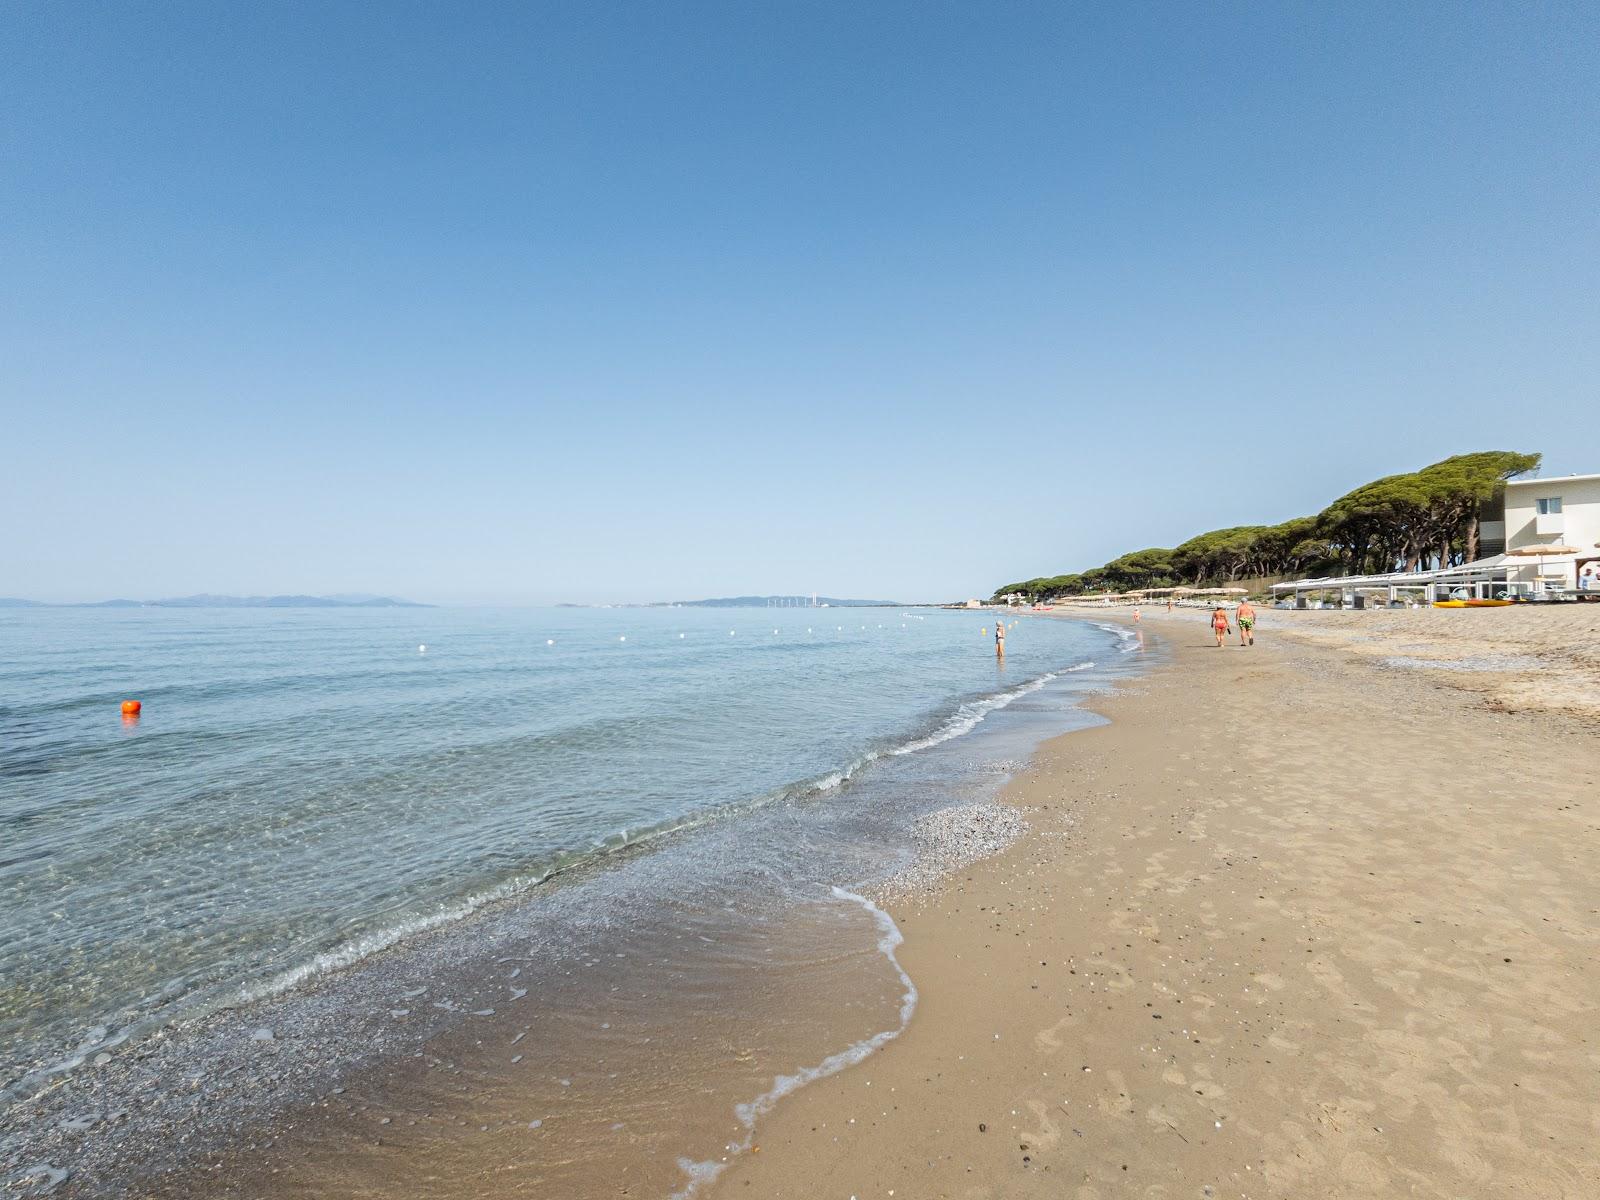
(130, 708)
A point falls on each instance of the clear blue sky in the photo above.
(636, 301)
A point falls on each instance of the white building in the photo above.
(1561, 512)
(1554, 511)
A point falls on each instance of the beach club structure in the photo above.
(1186, 596)
(1539, 538)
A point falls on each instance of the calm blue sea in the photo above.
(305, 787)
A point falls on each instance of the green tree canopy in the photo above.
(1399, 522)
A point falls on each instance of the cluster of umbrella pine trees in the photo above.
(1401, 522)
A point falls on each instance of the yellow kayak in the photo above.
(1449, 603)
(1488, 603)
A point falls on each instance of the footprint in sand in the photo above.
(1048, 1134)
(1115, 1102)
(1048, 1041)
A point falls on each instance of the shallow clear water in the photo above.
(306, 786)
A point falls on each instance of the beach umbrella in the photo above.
(1541, 553)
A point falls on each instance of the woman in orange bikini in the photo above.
(1219, 624)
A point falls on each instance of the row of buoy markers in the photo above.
(423, 649)
(731, 633)
(131, 709)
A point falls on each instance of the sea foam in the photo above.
(889, 939)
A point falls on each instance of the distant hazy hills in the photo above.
(782, 601)
(203, 601)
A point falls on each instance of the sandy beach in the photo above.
(1317, 918)
(568, 630)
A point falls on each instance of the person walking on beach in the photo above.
(1247, 623)
(1000, 639)
(1219, 624)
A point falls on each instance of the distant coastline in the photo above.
(777, 602)
(207, 601)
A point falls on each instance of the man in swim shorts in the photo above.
(1247, 623)
(1219, 624)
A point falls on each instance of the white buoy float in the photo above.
(422, 649)
(549, 641)
(623, 638)
(680, 635)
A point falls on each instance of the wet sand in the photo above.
(1299, 922)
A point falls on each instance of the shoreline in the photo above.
(283, 1093)
(1294, 923)
(107, 1029)
(1175, 973)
